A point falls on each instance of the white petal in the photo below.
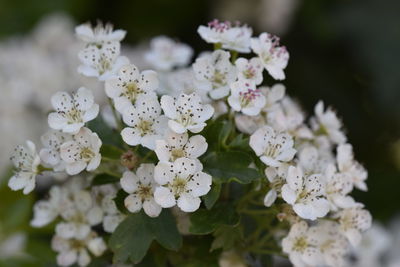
(133, 203)
(168, 106)
(164, 197)
(288, 194)
(129, 182)
(97, 246)
(75, 167)
(270, 198)
(130, 136)
(188, 203)
(200, 184)
(151, 208)
(94, 216)
(163, 173)
(196, 146)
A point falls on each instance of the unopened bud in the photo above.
(129, 160)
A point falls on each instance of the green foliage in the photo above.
(213, 195)
(111, 152)
(205, 221)
(231, 166)
(119, 201)
(104, 178)
(133, 237)
(105, 132)
(226, 237)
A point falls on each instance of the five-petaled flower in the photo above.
(245, 97)
(72, 111)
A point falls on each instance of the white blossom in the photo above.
(347, 165)
(249, 124)
(245, 97)
(354, 221)
(182, 183)
(100, 34)
(300, 246)
(327, 123)
(45, 211)
(176, 146)
(130, 85)
(214, 73)
(72, 111)
(273, 56)
(140, 187)
(165, 53)
(83, 152)
(250, 69)
(50, 154)
(186, 112)
(230, 36)
(146, 124)
(276, 178)
(306, 193)
(71, 250)
(26, 162)
(272, 148)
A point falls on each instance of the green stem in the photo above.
(234, 56)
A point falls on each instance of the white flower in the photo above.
(249, 124)
(338, 186)
(83, 152)
(186, 113)
(181, 183)
(300, 246)
(45, 211)
(354, 221)
(250, 69)
(72, 111)
(272, 148)
(230, 36)
(140, 186)
(165, 53)
(276, 178)
(176, 146)
(245, 97)
(72, 250)
(313, 160)
(327, 238)
(146, 124)
(305, 193)
(349, 166)
(26, 161)
(130, 85)
(50, 154)
(214, 73)
(101, 61)
(100, 34)
(273, 56)
(327, 123)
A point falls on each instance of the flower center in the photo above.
(144, 127)
(177, 153)
(179, 186)
(249, 96)
(132, 90)
(249, 73)
(300, 244)
(218, 79)
(145, 192)
(272, 150)
(87, 154)
(74, 116)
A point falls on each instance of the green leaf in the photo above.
(119, 201)
(134, 235)
(231, 165)
(105, 132)
(111, 152)
(104, 178)
(226, 237)
(217, 133)
(212, 196)
(205, 221)
(240, 142)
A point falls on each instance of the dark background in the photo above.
(345, 52)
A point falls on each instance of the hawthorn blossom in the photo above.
(332, 245)
(350, 167)
(249, 69)
(130, 85)
(83, 152)
(101, 61)
(306, 193)
(181, 183)
(300, 246)
(327, 123)
(72, 112)
(214, 73)
(273, 149)
(26, 162)
(50, 154)
(100, 34)
(276, 178)
(273, 56)
(165, 53)
(140, 187)
(230, 36)
(186, 112)
(146, 124)
(72, 250)
(245, 97)
(176, 146)
(353, 221)
(46, 211)
(273, 95)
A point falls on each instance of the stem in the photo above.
(234, 55)
(217, 46)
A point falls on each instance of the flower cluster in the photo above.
(179, 138)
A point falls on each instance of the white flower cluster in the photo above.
(309, 166)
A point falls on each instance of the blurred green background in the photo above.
(345, 52)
